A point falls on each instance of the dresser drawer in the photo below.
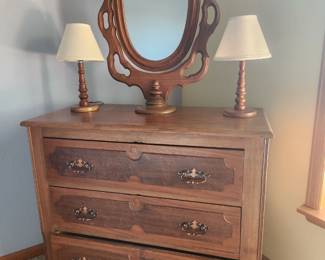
(194, 227)
(73, 248)
(69, 248)
(195, 174)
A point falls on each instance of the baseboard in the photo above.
(26, 254)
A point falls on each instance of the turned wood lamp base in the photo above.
(247, 113)
(84, 106)
(92, 107)
(240, 110)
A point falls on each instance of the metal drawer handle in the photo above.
(194, 228)
(80, 166)
(84, 214)
(193, 176)
(80, 258)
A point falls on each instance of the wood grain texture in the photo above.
(253, 200)
(145, 169)
(83, 90)
(148, 220)
(26, 254)
(187, 121)
(70, 247)
(196, 134)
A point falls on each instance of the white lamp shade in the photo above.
(79, 44)
(243, 39)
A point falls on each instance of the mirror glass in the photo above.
(155, 27)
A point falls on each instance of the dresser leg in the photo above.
(41, 184)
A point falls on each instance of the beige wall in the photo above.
(286, 86)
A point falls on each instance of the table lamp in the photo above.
(78, 45)
(243, 40)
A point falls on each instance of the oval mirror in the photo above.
(157, 42)
(155, 27)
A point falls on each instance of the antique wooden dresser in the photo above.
(120, 186)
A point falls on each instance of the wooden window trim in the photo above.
(314, 209)
(316, 217)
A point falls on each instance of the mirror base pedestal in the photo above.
(156, 104)
(155, 110)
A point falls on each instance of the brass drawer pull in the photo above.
(85, 214)
(80, 166)
(80, 258)
(193, 176)
(194, 228)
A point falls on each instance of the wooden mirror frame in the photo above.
(156, 78)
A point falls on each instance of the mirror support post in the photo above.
(155, 104)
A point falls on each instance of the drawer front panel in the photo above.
(73, 248)
(195, 227)
(77, 253)
(212, 175)
(68, 248)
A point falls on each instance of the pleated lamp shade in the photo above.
(79, 44)
(243, 40)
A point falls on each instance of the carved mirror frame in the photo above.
(156, 78)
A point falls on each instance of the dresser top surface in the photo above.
(187, 120)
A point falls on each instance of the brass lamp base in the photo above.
(155, 110)
(247, 113)
(92, 107)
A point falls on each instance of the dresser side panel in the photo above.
(253, 200)
(41, 185)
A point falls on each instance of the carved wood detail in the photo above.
(187, 170)
(169, 72)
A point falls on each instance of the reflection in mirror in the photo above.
(155, 27)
